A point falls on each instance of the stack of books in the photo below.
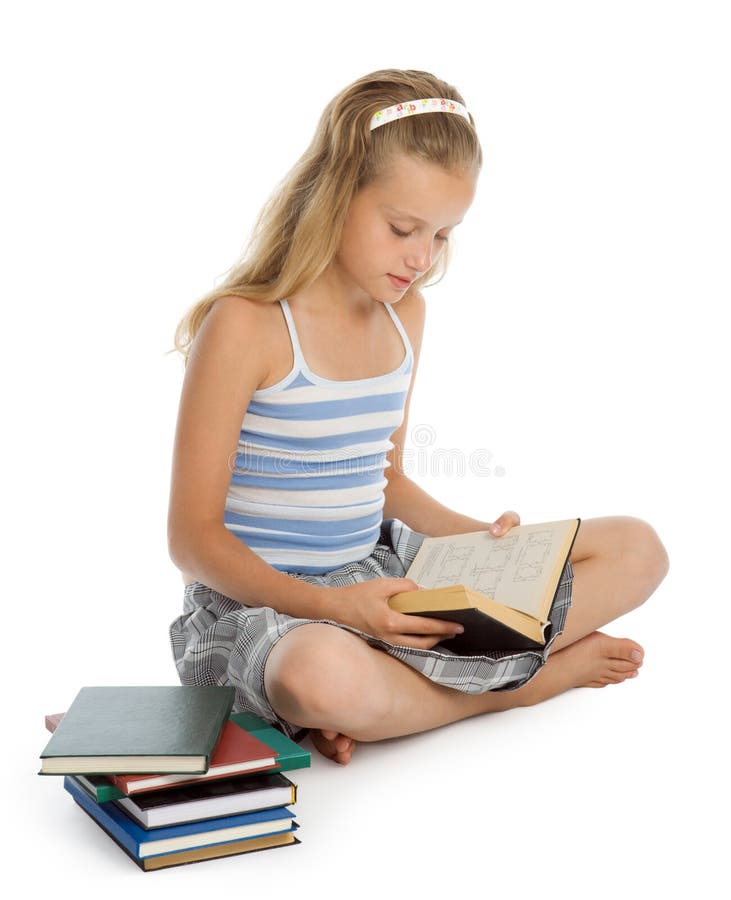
(172, 776)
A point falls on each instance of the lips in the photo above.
(403, 282)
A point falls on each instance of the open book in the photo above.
(500, 588)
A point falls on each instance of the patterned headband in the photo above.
(415, 107)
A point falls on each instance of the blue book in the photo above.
(141, 843)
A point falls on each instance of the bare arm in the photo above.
(409, 503)
(227, 362)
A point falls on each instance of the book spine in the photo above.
(216, 732)
(97, 812)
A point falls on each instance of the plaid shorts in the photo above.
(219, 641)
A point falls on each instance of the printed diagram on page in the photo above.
(484, 567)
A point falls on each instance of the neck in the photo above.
(332, 293)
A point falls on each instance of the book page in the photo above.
(515, 569)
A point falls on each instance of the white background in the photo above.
(579, 341)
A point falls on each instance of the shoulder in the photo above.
(240, 313)
(237, 331)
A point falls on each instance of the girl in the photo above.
(290, 517)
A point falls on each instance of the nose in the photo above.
(421, 258)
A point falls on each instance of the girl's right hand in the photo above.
(365, 606)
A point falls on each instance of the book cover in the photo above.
(99, 788)
(110, 730)
(500, 588)
(289, 754)
(237, 751)
(143, 843)
(209, 800)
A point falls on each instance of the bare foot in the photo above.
(337, 747)
(601, 659)
(595, 660)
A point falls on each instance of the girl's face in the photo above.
(398, 225)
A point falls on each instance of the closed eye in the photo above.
(395, 230)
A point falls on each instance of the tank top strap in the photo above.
(401, 330)
(299, 359)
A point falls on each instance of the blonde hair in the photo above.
(297, 232)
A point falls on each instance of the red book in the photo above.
(53, 720)
(236, 753)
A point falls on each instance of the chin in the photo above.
(378, 295)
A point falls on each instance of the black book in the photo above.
(209, 800)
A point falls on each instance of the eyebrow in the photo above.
(405, 215)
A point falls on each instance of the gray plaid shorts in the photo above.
(219, 641)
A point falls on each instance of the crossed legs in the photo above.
(330, 680)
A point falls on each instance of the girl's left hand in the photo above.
(506, 521)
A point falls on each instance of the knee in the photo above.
(321, 671)
(643, 553)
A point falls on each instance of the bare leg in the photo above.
(618, 563)
(400, 700)
(315, 674)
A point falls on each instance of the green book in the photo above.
(99, 788)
(128, 730)
(289, 754)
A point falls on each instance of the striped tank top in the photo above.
(306, 492)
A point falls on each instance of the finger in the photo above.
(419, 643)
(397, 585)
(506, 521)
(427, 625)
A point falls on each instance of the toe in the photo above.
(633, 652)
(626, 650)
(623, 666)
(334, 745)
(343, 757)
(618, 677)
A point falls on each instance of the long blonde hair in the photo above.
(297, 232)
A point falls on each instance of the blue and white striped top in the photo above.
(306, 493)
